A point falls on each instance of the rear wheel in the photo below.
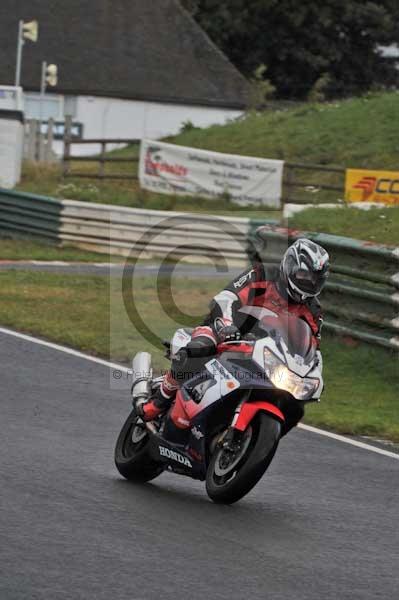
(235, 470)
(132, 458)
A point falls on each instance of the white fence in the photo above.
(37, 146)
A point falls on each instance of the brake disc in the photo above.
(233, 454)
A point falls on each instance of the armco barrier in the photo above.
(361, 298)
(118, 230)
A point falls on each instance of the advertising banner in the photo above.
(171, 169)
(372, 186)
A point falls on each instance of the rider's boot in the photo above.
(162, 400)
(202, 339)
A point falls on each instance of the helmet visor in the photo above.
(309, 282)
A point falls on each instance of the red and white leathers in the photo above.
(254, 287)
(261, 288)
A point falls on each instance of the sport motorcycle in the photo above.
(227, 419)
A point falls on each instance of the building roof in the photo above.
(136, 49)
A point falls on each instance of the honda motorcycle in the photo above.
(226, 422)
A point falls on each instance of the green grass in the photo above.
(23, 249)
(361, 381)
(73, 310)
(378, 224)
(361, 395)
(48, 181)
(358, 133)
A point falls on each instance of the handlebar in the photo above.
(205, 351)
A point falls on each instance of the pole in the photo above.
(42, 94)
(67, 145)
(49, 141)
(42, 90)
(20, 45)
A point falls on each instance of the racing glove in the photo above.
(229, 333)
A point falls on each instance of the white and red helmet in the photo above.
(304, 270)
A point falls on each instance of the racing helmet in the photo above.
(304, 270)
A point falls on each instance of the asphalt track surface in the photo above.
(322, 524)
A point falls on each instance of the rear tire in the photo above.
(224, 486)
(132, 457)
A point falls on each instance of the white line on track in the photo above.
(64, 349)
(100, 361)
(345, 440)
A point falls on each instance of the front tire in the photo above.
(226, 483)
(132, 457)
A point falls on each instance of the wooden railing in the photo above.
(102, 158)
(303, 183)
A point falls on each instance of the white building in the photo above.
(125, 69)
(102, 117)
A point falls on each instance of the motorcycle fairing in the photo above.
(189, 402)
(250, 409)
(289, 337)
(177, 458)
(221, 378)
(188, 425)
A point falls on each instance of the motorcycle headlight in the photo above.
(284, 379)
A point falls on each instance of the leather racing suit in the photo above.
(255, 287)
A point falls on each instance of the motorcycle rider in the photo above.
(291, 288)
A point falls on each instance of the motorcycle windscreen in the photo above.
(295, 332)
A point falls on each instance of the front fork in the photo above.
(244, 414)
(230, 435)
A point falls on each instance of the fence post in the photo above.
(101, 166)
(32, 134)
(41, 140)
(49, 141)
(67, 145)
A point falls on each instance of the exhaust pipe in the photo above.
(142, 377)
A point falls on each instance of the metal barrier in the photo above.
(125, 231)
(361, 298)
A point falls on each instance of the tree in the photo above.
(304, 42)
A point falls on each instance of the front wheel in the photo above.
(234, 471)
(132, 458)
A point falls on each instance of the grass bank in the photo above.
(359, 133)
(361, 382)
(378, 224)
(47, 180)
